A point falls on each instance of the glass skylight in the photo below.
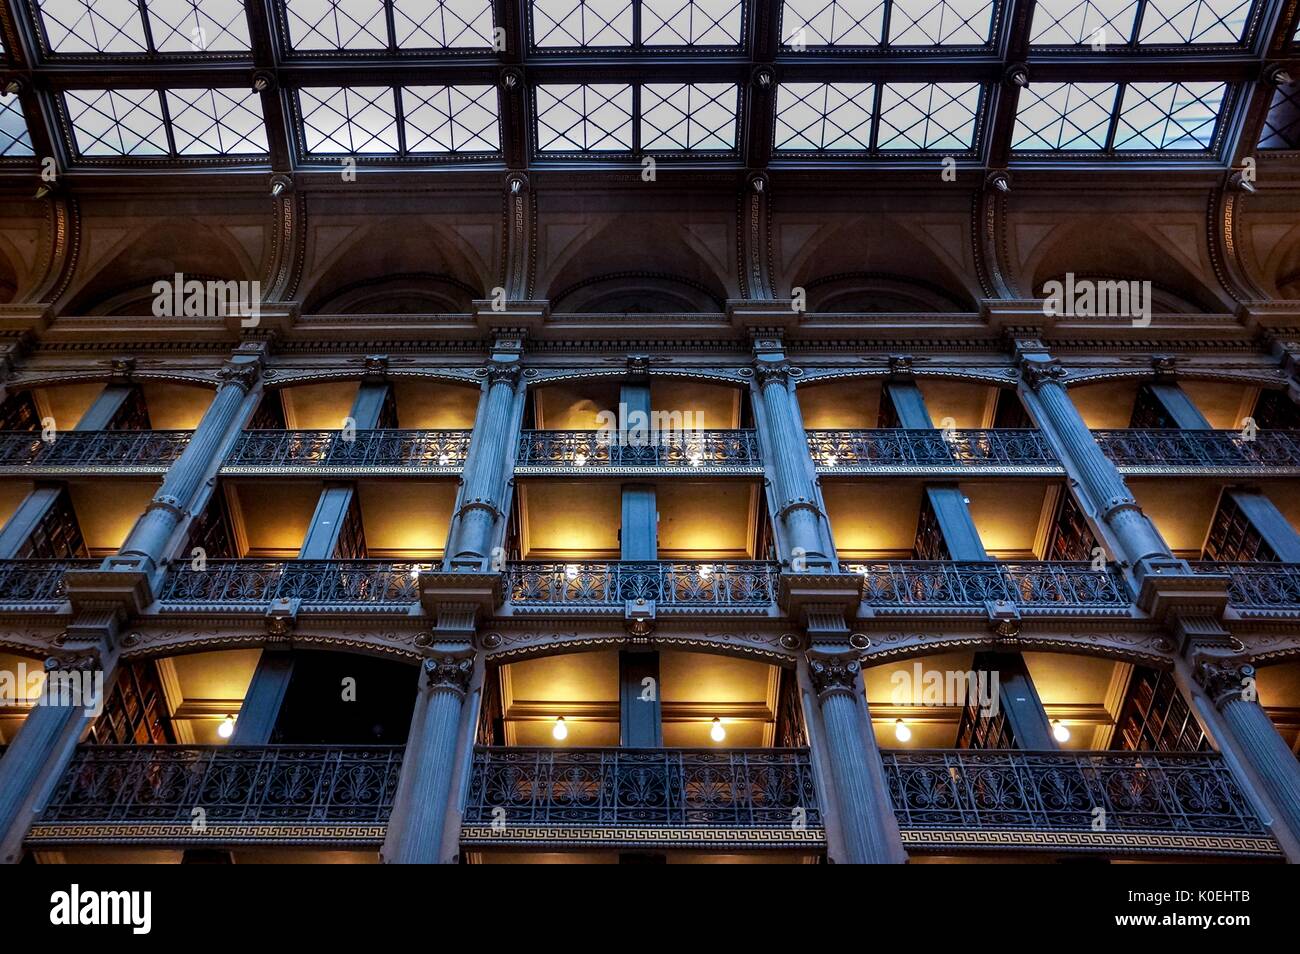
(681, 117)
(15, 140)
(182, 27)
(1102, 24)
(1282, 124)
(861, 23)
(596, 24)
(451, 119)
(1151, 117)
(362, 25)
(928, 116)
(133, 123)
(837, 117)
(829, 117)
(584, 118)
(349, 121)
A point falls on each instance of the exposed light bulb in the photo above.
(580, 459)
(560, 731)
(415, 572)
(706, 570)
(1060, 732)
(831, 460)
(443, 460)
(901, 732)
(717, 733)
(571, 571)
(227, 727)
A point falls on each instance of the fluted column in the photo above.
(415, 828)
(790, 468)
(35, 760)
(1230, 684)
(866, 815)
(148, 538)
(485, 469)
(1099, 480)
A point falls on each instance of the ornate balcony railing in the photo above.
(900, 450)
(920, 586)
(1259, 588)
(757, 798)
(744, 586)
(1138, 451)
(284, 793)
(317, 583)
(343, 452)
(731, 451)
(36, 582)
(1106, 801)
(82, 452)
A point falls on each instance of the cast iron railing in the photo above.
(1030, 584)
(37, 581)
(679, 788)
(1169, 449)
(150, 451)
(737, 584)
(901, 448)
(1052, 791)
(377, 450)
(1258, 586)
(266, 784)
(314, 582)
(677, 448)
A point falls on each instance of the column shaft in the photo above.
(485, 474)
(791, 467)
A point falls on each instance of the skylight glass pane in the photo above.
(688, 116)
(690, 22)
(1060, 116)
(582, 23)
(596, 118)
(940, 22)
(442, 24)
(1178, 22)
(807, 23)
(217, 122)
(1101, 23)
(337, 24)
(928, 115)
(14, 137)
(109, 122)
(356, 120)
(449, 119)
(93, 26)
(198, 26)
(1169, 116)
(1282, 124)
(824, 116)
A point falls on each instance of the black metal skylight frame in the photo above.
(388, 31)
(634, 30)
(153, 47)
(1131, 44)
(998, 10)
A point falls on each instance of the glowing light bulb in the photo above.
(415, 572)
(696, 458)
(560, 731)
(717, 733)
(831, 460)
(901, 732)
(1061, 733)
(580, 458)
(227, 727)
(706, 570)
(571, 571)
(443, 460)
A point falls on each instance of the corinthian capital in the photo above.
(449, 673)
(1225, 680)
(243, 374)
(1038, 371)
(831, 674)
(776, 371)
(503, 372)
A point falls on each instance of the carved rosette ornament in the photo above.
(833, 674)
(448, 674)
(1225, 680)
